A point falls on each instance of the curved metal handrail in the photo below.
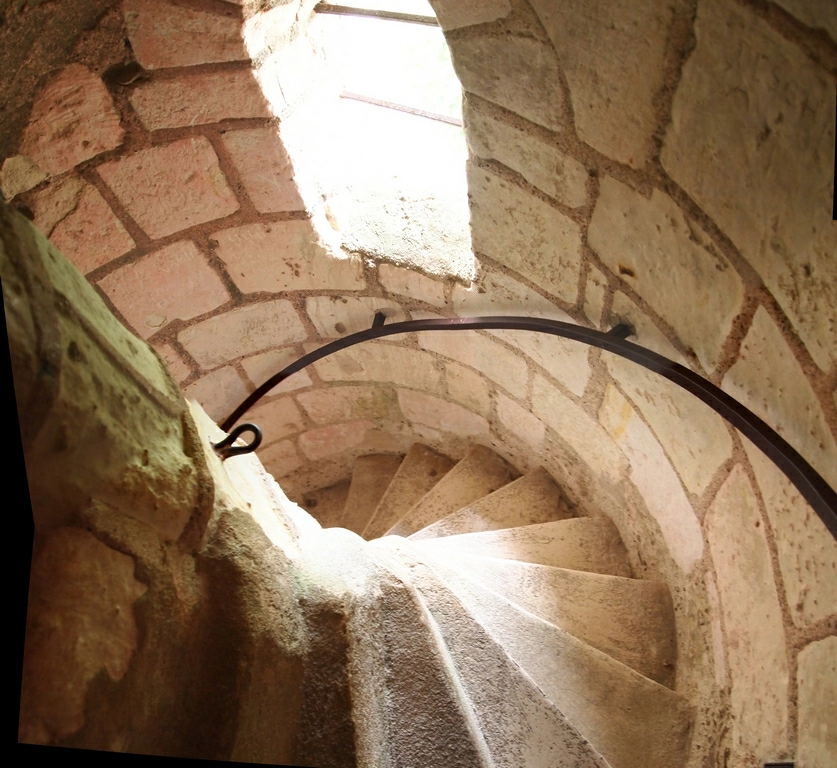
(808, 482)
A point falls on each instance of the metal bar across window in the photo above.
(348, 10)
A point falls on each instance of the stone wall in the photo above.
(665, 164)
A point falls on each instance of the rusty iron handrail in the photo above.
(808, 482)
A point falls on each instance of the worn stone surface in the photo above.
(170, 187)
(719, 655)
(522, 424)
(265, 169)
(647, 334)
(280, 458)
(594, 296)
(541, 164)
(197, 99)
(55, 201)
(243, 331)
(73, 119)
(694, 437)
(174, 282)
(807, 551)
(651, 245)
(263, 32)
(755, 638)
(219, 392)
(283, 256)
(655, 479)
(468, 388)
(583, 434)
(768, 379)
(19, 174)
(327, 441)
(341, 315)
(518, 73)
(524, 233)
(259, 368)
(332, 404)
(405, 282)
(453, 14)
(613, 102)
(440, 414)
(276, 418)
(166, 35)
(752, 141)
(175, 363)
(814, 13)
(817, 678)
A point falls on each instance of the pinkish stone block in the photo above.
(280, 459)
(73, 119)
(166, 35)
(276, 418)
(219, 392)
(336, 438)
(208, 97)
(169, 188)
(175, 282)
(265, 169)
(175, 363)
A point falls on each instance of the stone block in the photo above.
(522, 424)
(594, 296)
(163, 34)
(72, 120)
(768, 380)
(652, 246)
(219, 393)
(335, 316)
(175, 282)
(265, 169)
(333, 404)
(405, 282)
(647, 334)
(19, 174)
(613, 56)
(751, 140)
(694, 437)
(718, 644)
(276, 419)
(198, 99)
(520, 74)
(259, 368)
(174, 362)
(755, 637)
(328, 441)
(280, 458)
(814, 13)
(583, 434)
(540, 163)
(243, 331)
(440, 414)
(491, 359)
(817, 679)
(283, 256)
(655, 479)
(524, 233)
(171, 187)
(453, 14)
(468, 388)
(266, 30)
(807, 551)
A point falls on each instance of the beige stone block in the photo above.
(817, 678)
(440, 414)
(198, 99)
(540, 163)
(259, 368)
(520, 74)
(651, 245)
(265, 169)
(276, 418)
(583, 434)
(405, 282)
(468, 388)
(719, 656)
(280, 458)
(170, 187)
(768, 380)
(266, 30)
(174, 362)
(166, 35)
(219, 393)
(335, 316)
(175, 282)
(807, 551)
(477, 351)
(283, 256)
(380, 361)
(328, 441)
(19, 174)
(814, 13)
(613, 55)
(453, 14)
(524, 233)
(655, 479)
(243, 331)
(694, 437)
(647, 334)
(752, 140)
(522, 424)
(594, 296)
(755, 638)
(333, 404)
(72, 120)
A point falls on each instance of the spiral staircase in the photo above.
(464, 617)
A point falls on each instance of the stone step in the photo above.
(629, 619)
(478, 474)
(371, 475)
(520, 726)
(631, 720)
(326, 505)
(420, 470)
(588, 544)
(533, 498)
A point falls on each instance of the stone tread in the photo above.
(326, 505)
(371, 476)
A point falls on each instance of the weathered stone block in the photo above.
(19, 174)
(259, 368)
(468, 388)
(175, 363)
(405, 282)
(335, 316)
(441, 415)
(814, 13)
(817, 677)
(522, 424)
(594, 296)
(276, 418)
(219, 392)
(280, 458)
(333, 404)
(328, 441)
(453, 14)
